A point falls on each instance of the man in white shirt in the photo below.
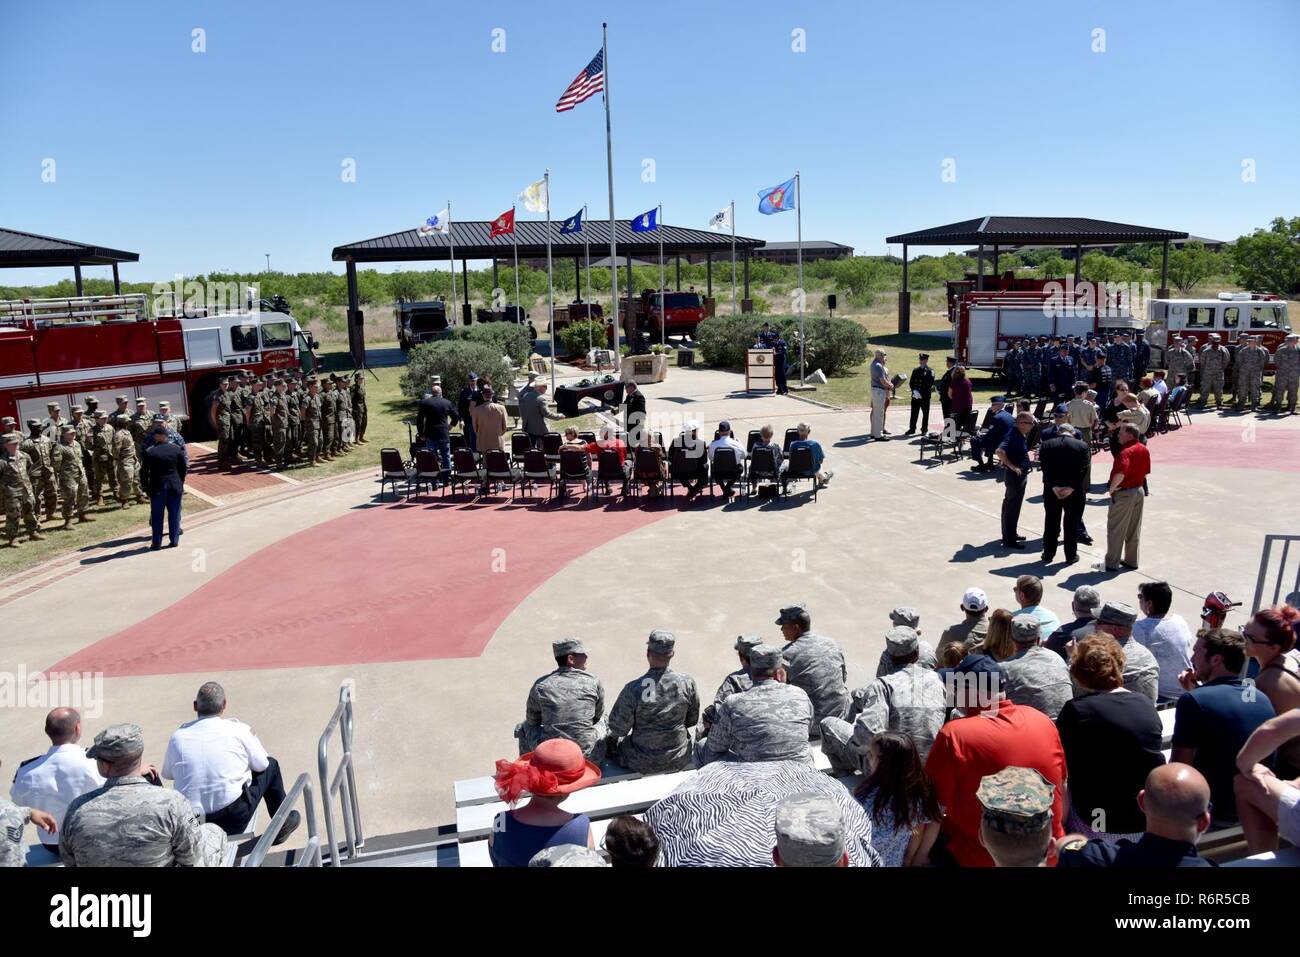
(222, 769)
(1166, 636)
(726, 440)
(59, 776)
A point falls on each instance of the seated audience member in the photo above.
(997, 643)
(1267, 803)
(994, 734)
(63, 773)
(654, 479)
(814, 663)
(951, 655)
(765, 441)
(1176, 805)
(1001, 425)
(809, 833)
(739, 680)
(909, 699)
(567, 855)
(819, 468)
(1159, 383)
(1135, 412)
(631, 843)
(651, 721)
(1141, 670)
(1164, 635)
(608, 440)
(548, 776)
(1035, 677)
(1112, 739)
(725, 814)
(1179, 392)
(1029, 594)
(1084, 606)
(772, 721)
(725, 440)
(1016, 823)
(129, 822)
(13, 819)
(971, 631)
(697, 454)
(222, 769)
(567, 703)
(905, 616)
(900, 801)
(1215, 717)
(1270, 635)
(571, 440)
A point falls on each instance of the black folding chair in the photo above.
(791, 435)
(575, 467)
(763, 467)
(610, 470)
(551, 443)
(537, 469)
(428, 470)
(497, 469)
(687, 466)
(392, 470)
(646, 469)
(800, 469)
(520, 442)
(755, 436)
(727, 466)
(464, 472)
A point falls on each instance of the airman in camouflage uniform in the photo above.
(905, 616)
(772, 721)
(311, 413)
(173, 422)
(360, 412)
(1011, 366)
(101, 454)
(53, 423)
(346, 427)
(567, 703)
(130, 823)
(1287, 360)
(13, 819)
(909, 699)
(651, 721)
(1035, 676)
(225, 411)
(255, 415)
(294, 397)
(1029, 371)
(740, 679)
(1252, 357)
(85, 426)
(1181, 361)
(329, 419)
(815, 664)
(1214, 361)
(125, 464)
(277, 414)
(15, 477)
(44, 490)
(70, 472)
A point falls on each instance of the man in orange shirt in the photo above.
(1124, 521)
(994, 734)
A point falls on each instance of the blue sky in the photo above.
(205, 161)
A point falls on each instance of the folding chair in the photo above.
(537, 469)
(497, 468)
(609, 469)
(575, 466)
(645, 469)
(1041, 409)
(791, 435)
(800, 469)
(587, 436)
(520, 442)
(755, 435)
(685, 466)
(727, 466)
(428, 470)
(464, 470)
(391, 469)
(551, 443)
(763, 467)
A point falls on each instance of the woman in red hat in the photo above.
(548, 775)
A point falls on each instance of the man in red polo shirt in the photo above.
(994, 734)
(1124, 522)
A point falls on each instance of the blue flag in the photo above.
(646, 222)
(777, 199)
(573, 224)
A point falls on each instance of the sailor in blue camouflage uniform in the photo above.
(567, 703)
(652, 718)
(1121, 359)
(1029, 371)
(772, 721)
(814, 663)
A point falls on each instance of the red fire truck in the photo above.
(60, 350)
(986, 321)
(1231, 315)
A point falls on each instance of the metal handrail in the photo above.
(343, 780)
(311, 854)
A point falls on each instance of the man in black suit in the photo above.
(922, 384)
(634, 403)
(433, 425)
(1064, 459)
(162, 474)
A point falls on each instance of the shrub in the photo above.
(454, 360)
(506, 338)
(836, 345)
(574, 336)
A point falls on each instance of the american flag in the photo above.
(586, 84)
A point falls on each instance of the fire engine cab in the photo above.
(1231, 315)
(60, 350)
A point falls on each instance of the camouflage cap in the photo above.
(1025, 629)
(747, 643)
(51, 405)
(765, 657)
(1117, 613)
(33, 423)
(164, 402)
(567, 646)
(10, 437)
(792, 613)
(901, 640)
(661, 642)
(101, 414)
(567, 855)
(77, 408)
(809, 831)
(1016, 800)
(141, 400)
(120, 398)
(90, 400)
(67, 428)
(116, 742)
(8, 420)
(905, 615)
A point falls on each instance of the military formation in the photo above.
(1051, 367)
(284, 419)
(61, 467)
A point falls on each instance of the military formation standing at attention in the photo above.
(284, 419)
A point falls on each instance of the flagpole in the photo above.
(798, 218)
(550, 282)
(519, 306)
(452, 240)
(663, 315)
(733, 257)
(609, 168)
(586, 254)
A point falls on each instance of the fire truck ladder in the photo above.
(130, 307)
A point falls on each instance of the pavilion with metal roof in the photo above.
(471, 240)
(999, 232)
(19, 249)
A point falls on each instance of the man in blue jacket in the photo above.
(162, 474)
(1003, 422)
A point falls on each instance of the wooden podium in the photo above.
(760, 370)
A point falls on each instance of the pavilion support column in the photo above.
(76, 272)
(356, 335)
(496, 281)
(746, 304)
(631, 316)
(117, 280)
(996, 255)
(464, 276)
(979, 270)
(1078, 263)
(1163, 291)
(904, 301)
